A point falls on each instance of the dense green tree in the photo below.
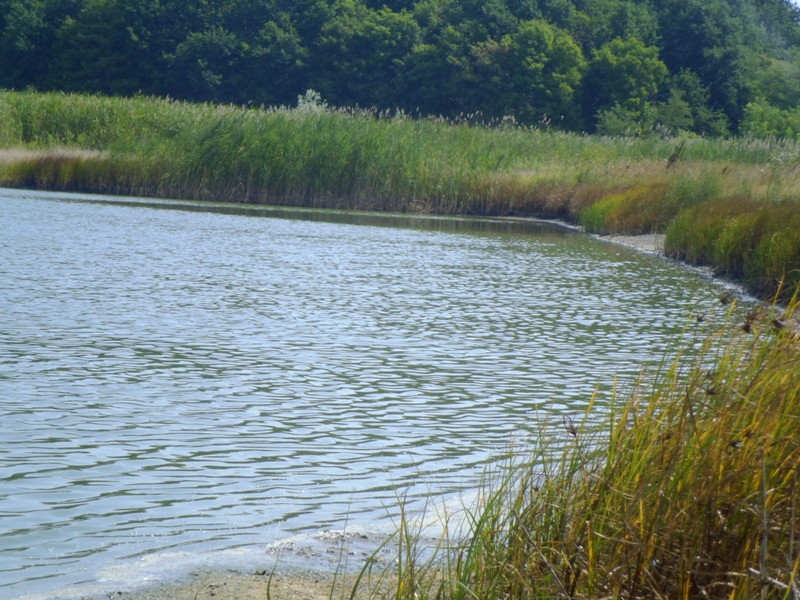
(457, 69)
(524, 10)
(710, 38)
(705, 120)
(545, 67)
(27, 37)
(486, 83)
(617, 120)
(433, 77)
(561, 13)
(106, 47)
(202, 63)
(762, 119)
(674, 115)
(623, 73)
(361, 53)
(598, 22)
(306, 16)
(438, 73)
(713, 67)
(778, 79)
(394, 5)
(779, 19)
(475, 20)
(273, 69)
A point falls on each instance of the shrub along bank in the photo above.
(731, 203)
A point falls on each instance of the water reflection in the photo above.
(443, 224)
(188, 378)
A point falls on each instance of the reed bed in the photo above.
(691, 489)
(756, 242)
(360, 159)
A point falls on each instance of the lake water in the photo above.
(184, 382)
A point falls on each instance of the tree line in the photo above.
(710, 67)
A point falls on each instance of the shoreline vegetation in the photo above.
(731, 204)
(691, 486)
(688, 488)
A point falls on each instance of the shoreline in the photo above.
(296, 583)
(237, 585)
(322, 566)
(651, 243)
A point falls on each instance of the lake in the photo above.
(185, 382)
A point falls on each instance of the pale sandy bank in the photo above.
(301, 585)
(649, 242)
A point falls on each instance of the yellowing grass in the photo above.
(691, 490)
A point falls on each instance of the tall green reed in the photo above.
(756, 242)
(333, 153)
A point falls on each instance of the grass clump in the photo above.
(691, 490)
(755, 242)
(649, 207)
(638, 209)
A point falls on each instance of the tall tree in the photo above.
(27, 35)
(597, 22)
(705, 119)
(709, 38)
(623, 73)
(360, 54)
(203, 63)
(107, 48)
(545, 67)
(274, 65)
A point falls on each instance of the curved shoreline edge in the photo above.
(733, 204)
(652, 243)
(292, 583)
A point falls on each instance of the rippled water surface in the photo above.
(190, 381)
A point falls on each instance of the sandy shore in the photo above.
(649, 242)
(300, 585)
(652, 243)
(298, 568)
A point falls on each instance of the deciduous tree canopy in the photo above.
(711, 67)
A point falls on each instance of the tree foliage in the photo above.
(711, 67)
(623, 73)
